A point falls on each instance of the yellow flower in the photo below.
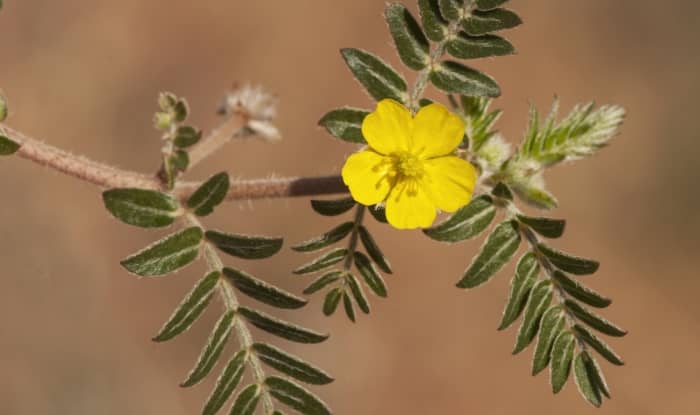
(411, 164)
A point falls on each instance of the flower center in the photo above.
(406, 165)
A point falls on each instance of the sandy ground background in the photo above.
(84, 75)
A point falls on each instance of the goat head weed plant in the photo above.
(413, 158)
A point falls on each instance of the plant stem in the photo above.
(352, 245)
(453, 30)
(106, 176)
(228, 295)
(549, 270)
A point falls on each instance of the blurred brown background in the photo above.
(84, 75)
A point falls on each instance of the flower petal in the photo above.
(365, 173)
(449, 181)
(409, 206)
(436, 131)
(388, 129)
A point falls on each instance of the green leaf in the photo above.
(496, 252)
(433, 23)
(211, 352)
(502, 191)
(594, 320)
(345, 123)
(453, 77)
(296, 397)
(209, 195)
(562, 355)
(595, 374)
(372, 278)
(540, 299)
(482, 22)
(191, 308)
(534, 194)
(328, 259)
(378, 213)
(586, 385)
(553, 322)
(489, 4)
(187, 136)
(291, 365)
(373, 250)
(380, 79)
(166, 255)
(247, 400)
(262, 291)
(323, 281)
(178, 162)
(466, 223)
(245, 246)
(7, 146)
(525, 276)
(465, 46)
(281, 328)
(181, 110)
(333, 207)
(139, 207)
(347, 305)
(330, 303)
(410, 40)
(327, 239)
(584, 131)
(547, 227)
(357, 292)
(3, 105)
(226, 384)
(450, 9)
(579, 291)
(598, 345)
(569, 263)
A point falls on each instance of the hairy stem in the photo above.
(217, 138)
(422, 80)
(106, 176)
(228, 295)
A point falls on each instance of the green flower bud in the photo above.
(163, 120)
